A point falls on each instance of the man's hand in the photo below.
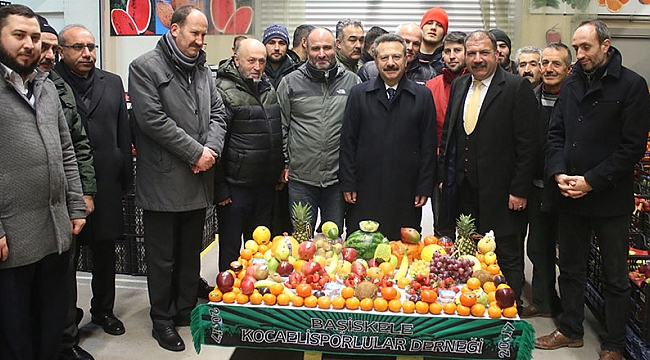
(284, 176)
(90, 204)
(225, 202)
(205, 162)
(77, 225)
(350, 196)
(574, 187)
(420, 200)
(516, 203)
(4, 249)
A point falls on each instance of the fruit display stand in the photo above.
(315, 331)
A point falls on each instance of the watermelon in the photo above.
(365, 243)
(240, 21)
(123, 23)
(221, 11)
(140, 11)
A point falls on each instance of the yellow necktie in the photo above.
(471, 112)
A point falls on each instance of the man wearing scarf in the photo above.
(181, 131)
(99, 96)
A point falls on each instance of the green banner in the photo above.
(360, 332)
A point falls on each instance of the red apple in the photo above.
(373, 263)
(284, 268)
(499, 279)
(349, 254)
(247, 285)
(306, 250)
(358, 269)
(225, 281)
(505, 297)
(311, 267)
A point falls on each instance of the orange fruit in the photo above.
(283, 299)
(215, 295)
(492, 296)
(324, 302)
(429, 295)
(473, 283)
(468, 299)
(402, 283)
(478, 310)
(483, 266)
(380, 304)
(276, 289)
(494, 269)
(237, 283)
(465, 289)
(297, 300)
(269, 299)
(246, 254)
(388, 293)
(236, 290)
(408, 307)
(352, 303)
(480, 257)
(338, 303)
(262, 248)
(229, 297)
(395, 305)
(374, 273)
(347, 292)
(435, 308)
(366, 304)
(430, 240)
(303, 290)
(311, 301)
(503, 286)
(449, 308)
(241, 274)
(298, 265)
(421, 307)
(510, 312)
(256, 298)
(258, 255)
(494, 311)
(241, 298)
(489, 286)
(463, 310)
(387, 269)
(613, 5)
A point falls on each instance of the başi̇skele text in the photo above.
(352, 332)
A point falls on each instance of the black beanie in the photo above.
(45, 26)
(502, 36)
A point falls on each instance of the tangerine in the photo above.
(465, 289)
(352, 303)
(510, 312)
(236, 290)
(366, 304)
(492, 296)
(494, 269)
(324, 302)
(421, 307)
(276, 289)
(215, 295)
(283, 299)
(269, 299)
(463, 310)
(380, 304)
(256, 298)
(241, 298)
(473, 283)
(262, 248)
(435, 308)
(246, 254)
(347, 292)
(408, 307)
(338, 302)
(375, 273)
(303, 290)
(429, 296)
(613, 5)
(395, 305)
(430, 240)
(489, 286)
(449, 308)
(388, 293)
(468, 299)
(311, 301)
(229, 297)
(402, 283)
(387, 269)
(237, 283)
(494, 311)
(503, 286)
(297, 301)
(478, 310)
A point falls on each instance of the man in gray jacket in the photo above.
(181, 124)
(42, 204)
(313, 101)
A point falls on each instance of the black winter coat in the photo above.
(253, 149)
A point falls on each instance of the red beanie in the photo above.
(436, 14)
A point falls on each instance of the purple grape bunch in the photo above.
(445, 266)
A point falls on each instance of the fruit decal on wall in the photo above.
(149, 17)
(612, 6)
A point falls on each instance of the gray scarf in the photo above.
(187, 63)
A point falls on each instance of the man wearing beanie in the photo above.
(70, 348)
(281, 61)
(434, 25)
(504, 46)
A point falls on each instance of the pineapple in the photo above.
(301, 220)
(465, 243)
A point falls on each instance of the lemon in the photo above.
(330, 229)
(262, 235)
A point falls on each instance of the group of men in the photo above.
(515, 152)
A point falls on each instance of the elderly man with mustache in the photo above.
(487, 152)
(349, 44)
(528, 61)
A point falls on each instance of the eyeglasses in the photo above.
(80, 47)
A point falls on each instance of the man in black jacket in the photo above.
(598, 132)
(252, 161)
(280, 60)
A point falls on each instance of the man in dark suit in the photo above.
(102, 107)
(487, 152)
(388, 144)
(598, 131)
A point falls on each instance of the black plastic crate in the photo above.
(636, 347)
(133, 222)
(137, 260)
(129, 256)
(209, 227)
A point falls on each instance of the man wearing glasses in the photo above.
(102, 107)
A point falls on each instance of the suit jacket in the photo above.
(506, 137)
(106, 123)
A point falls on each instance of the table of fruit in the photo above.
(417, 296)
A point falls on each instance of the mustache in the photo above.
(528, 74)
(391, 67)
(356, 51)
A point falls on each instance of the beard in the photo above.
(11, 63)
